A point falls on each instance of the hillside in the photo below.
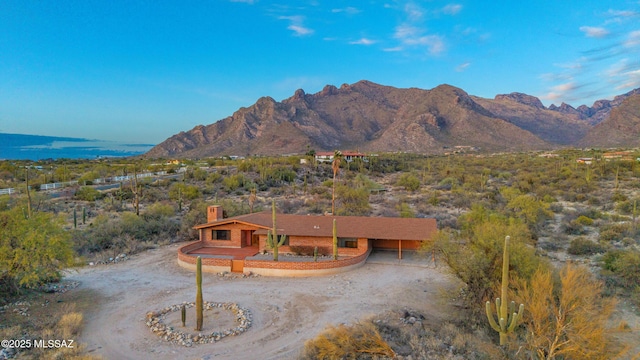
(620, 129)
(373, 117)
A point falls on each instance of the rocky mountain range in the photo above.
(375, 118)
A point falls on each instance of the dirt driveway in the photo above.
(286, 311)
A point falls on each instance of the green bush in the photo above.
(625, 264)
(409, 181)
(582, 246)
(584, 220)
(613, 232)
(184, 191)
(88, 193)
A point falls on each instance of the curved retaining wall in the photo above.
(212, 265)
(304, 268)
(272, 268)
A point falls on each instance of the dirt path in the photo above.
(286, 311)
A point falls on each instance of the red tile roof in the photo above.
(347, 226)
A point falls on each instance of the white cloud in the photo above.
(624, 74)
(633, 39)
(414, 11)
(462, 67)
(300, 30)
(595, 32)
(348, 10)
(363, 41)
(622, 13)
(296, 25)
(563, 88)
(250, 2)
(452, 9)
(412, 36)
(393, 49)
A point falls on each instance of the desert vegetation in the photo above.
(573, 228)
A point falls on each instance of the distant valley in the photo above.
(36, 147)
(370, 117)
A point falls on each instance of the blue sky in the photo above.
(141, 71)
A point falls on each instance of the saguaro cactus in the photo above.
(272, 235)
(507, 317)
(199, 308)
(335, 241)
(183, 312)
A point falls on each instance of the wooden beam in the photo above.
(399, 249)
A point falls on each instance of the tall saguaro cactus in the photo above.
(199, 307)
(335, 241)
(507, 316)
(272, 235)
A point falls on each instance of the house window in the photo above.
(221, 235)
(348, 243)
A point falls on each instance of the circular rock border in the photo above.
(168, 333)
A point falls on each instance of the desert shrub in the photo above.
(613, 232)
(582, 246)
(618, 197)
(213, 178)
(353, 201)
(196, 215)
(405, 210)
(474, 254)
(584, 220)
(409, 181)
(88, 193)
(625, 264)
(158, 211)
(627, 206)
(180, 190)
(529, 209)
(566, 315)
(33, 249)
(347, 342)
(556, 207)
(126, 233)
(197, 174)
(234, 182)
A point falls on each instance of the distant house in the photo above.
(327, 156)
(619, 155)
(586, 161)
(357, 235)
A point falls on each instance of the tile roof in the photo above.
(347, 226)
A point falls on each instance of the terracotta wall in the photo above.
(325, 243)
(236, 235)
(186, 260)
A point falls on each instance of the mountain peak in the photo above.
(522, 99)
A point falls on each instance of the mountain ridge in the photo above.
(374, 117)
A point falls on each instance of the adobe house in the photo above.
(243, 236)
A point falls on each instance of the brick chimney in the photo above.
(214, 213)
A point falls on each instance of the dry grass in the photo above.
(348, 342)
(51, 317)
